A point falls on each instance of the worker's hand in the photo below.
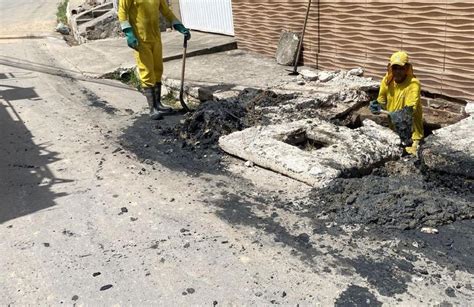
(375, 107)
(132, 41)
(178, 26)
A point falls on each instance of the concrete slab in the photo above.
(451, 149)
(314, 151)
(103, 56)
(287, 48)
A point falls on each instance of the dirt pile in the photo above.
(396, 197)
(211, 120)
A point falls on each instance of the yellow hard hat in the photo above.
(399, 58)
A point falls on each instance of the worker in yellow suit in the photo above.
(400, 90)
(140, 21)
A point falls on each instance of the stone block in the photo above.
(356, 72)
(105, 26)
(469, 108)
(325, 76)
(287, 48)
(309, 75)
(314, 151)
(451, 149)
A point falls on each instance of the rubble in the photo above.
(309, 75)
(62, 28)
(94, 20)
(356, 72)
(394, 200)
(313, 150)
(325, 76)
(451, 149)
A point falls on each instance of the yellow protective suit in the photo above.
(144, 18)
(395, 97)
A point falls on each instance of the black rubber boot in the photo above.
(158, 105)
(149, 93)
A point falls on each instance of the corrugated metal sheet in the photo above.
(208, 15)
(438, 35)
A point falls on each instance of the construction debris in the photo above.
(451, 149)
(314, 151)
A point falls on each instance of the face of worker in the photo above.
(399, 73)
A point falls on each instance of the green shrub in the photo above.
(61, 13)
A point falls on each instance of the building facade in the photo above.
(343, 34)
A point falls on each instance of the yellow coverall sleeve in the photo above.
(413, 99)
(382, 98)
(124, 7)
(165, 10)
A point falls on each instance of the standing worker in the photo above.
(140, 21)
(400, 91)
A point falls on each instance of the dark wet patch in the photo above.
(96, 102)
(156, 141)
(451, 247)
(237, 211)
(388, 275)
(392, 202)
(356, 296)
(189, 142)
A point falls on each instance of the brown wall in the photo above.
(438, 35)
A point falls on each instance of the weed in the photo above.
(61, 13)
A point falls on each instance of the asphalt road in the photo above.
(92, 212)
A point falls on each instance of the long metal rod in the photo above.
(300, 45)
(183, 68)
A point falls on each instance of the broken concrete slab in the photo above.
(309, 74)
(451, 149)
(314, 151)
(469, 108)
(287, 48)
(359, 71)
(94, 20)
(104, 26)
(325, 76)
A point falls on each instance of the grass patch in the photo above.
(61, 13)
(125, 75)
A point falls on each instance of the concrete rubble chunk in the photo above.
(451, 149)
(287, 48)
(356, 72)
(314, 151)
(325, 76)
(469, 108)
(93, 20)
(309, 75)
(62, 28)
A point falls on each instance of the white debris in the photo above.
(325, 76)
(62, 28)
(469, 108)
(249, 164)
(309, 75)
(356, 71)
(429, 230)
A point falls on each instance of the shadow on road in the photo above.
(25, 180)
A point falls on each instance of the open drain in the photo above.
(301, 140)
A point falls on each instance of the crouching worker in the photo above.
(140, 21)
(400, 95)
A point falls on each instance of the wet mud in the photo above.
(356, 296)
(188, 141)
(400, 202)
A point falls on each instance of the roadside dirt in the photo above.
(395, 200)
